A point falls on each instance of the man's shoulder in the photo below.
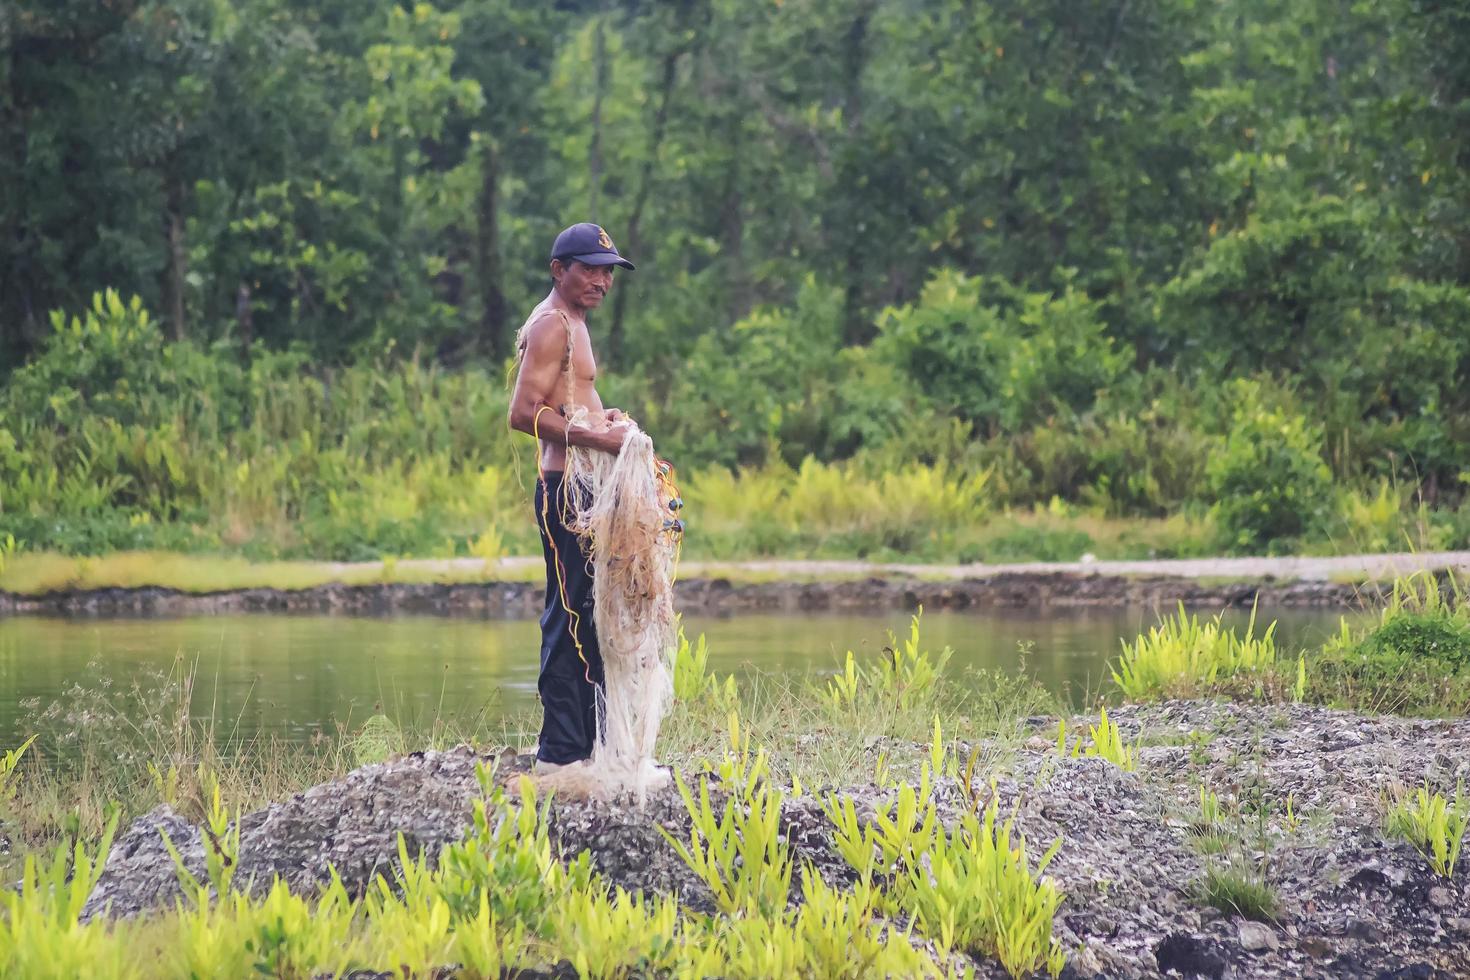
(545, 313)
(548, 329)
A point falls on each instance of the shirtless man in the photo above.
(557, 372)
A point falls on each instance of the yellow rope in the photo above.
(575, 618)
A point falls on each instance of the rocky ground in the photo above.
(1353, 904)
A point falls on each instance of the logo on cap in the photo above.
(602, 239)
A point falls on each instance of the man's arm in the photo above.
(530, 408)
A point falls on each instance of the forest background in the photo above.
(942, 279)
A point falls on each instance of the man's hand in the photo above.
(614, 415)
(614, 436)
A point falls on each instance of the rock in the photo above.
(1316, 947)
(1083, 965)
(1365, 930)
(1440, 897)
(140, 873)
(1414, 971)
(1191, 956)
(1255, 936)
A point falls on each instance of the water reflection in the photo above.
(295, 675)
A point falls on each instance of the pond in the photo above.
(294, 676)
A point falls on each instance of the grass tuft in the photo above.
(1236, 889)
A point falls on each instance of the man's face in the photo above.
(581, 284)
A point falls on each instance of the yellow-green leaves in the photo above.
(1182, 655)
(1104, 740)
(692, 677)
(1434, 825)
(972, 889)
(8, 766)
(905, 676)
(40, 930)
(967, 887)
(1107, 743)
(615, 935)
(738, 849)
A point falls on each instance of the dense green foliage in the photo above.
(1174, 257)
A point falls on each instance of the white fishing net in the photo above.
(619, 506)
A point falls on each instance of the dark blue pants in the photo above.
(570, 681)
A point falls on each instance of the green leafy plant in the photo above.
(505, 854)
(844, 689)
(378, 738)
(908, 671)
(737, 849)
(1268, 479)
(287, 935)
(1208, 825)
(976, 892)
(906, 675)
(1104, 741)
(616, 935)
(1432, 824)
(221, 832)
(41, 934)
(8, 545)
(1183, 655)
(968, 888)
(692, 677)
(1414, 659)
(8, 764)
(484, 948)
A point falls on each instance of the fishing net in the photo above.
(623, 509)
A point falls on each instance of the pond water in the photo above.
(294, 676)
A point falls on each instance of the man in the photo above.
(557, 373)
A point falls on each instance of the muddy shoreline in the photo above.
(716, 596)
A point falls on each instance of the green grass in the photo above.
(39, 573)
(1414, 660)
(1236, 889)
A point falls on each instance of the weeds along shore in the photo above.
(1238, 806)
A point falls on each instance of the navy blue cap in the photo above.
(588, 244)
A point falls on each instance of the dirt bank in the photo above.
(705, 595)
(794, 586)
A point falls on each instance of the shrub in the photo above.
(823, 507)
(1281, 291)
(1416, 658)
(1268, 482)
(772, 381)
(997, 356)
